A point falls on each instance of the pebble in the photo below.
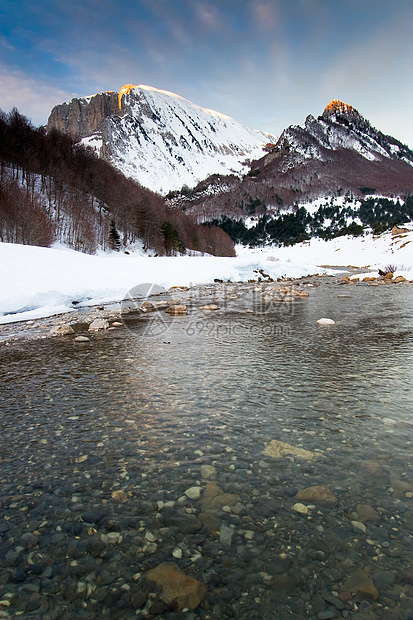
(194, 492)
(177, 553)
(208, 472)
(359, 527)
(327, 614)
(301, 508)
(62, 330)
(98, 324)
(225, 535)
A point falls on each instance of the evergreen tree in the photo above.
(114, 237)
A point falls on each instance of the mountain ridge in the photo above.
(158, 138)
(210, 164)
(337, 153)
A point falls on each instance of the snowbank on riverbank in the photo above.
(38, 282)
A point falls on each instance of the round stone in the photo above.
(193, 492)
(301, 508)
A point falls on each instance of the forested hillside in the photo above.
(348, 217)
(54, 189)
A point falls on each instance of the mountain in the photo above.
(336, 154)
(158, 138)
(340, 130)
(53, 188)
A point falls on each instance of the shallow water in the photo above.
(141, 409)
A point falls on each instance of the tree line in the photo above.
(54, 188)
(328, 222)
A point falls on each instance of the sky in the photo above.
(266, 63)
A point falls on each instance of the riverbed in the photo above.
(267, 456)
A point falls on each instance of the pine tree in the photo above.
(114, 237)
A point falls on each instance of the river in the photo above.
(100, 441)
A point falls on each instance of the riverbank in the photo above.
(38, 282)
(88, 322)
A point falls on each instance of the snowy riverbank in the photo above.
(38, 282)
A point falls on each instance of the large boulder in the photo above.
(317, 495)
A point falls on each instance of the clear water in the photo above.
(140, 410)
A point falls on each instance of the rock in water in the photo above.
(279, 449)
(365, 512)
(211, 523)
(301, 508)
(213, 498)
(98, 324)
(225, 535)
(119, 496)
(193, 492)
(326, 322)
(62, 330)
(318, 495)
(177, 309)
(361, 584)
(178, 590)
(208, 472)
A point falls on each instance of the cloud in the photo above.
(208, 15)
(33, 98)
(5, 44)
(265, 15)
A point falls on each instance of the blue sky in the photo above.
(266, 63)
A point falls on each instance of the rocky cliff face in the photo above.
(158, 138)
(86, 116)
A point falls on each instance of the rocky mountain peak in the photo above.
(338, 107)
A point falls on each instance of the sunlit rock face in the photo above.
(159, 138)
(338, 107)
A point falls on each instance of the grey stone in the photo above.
(327, 614)
(185, 523)
(208, 472)
(98, 324)
(62, 330)
(225, 535)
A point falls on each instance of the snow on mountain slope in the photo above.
(165, 141)
(340, 127)
(158, 138)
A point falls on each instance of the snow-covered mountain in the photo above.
(340, 127)
(158, 138)
(339, 153)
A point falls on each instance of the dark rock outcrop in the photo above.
(86, 116)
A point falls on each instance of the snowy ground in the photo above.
(38, 282)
